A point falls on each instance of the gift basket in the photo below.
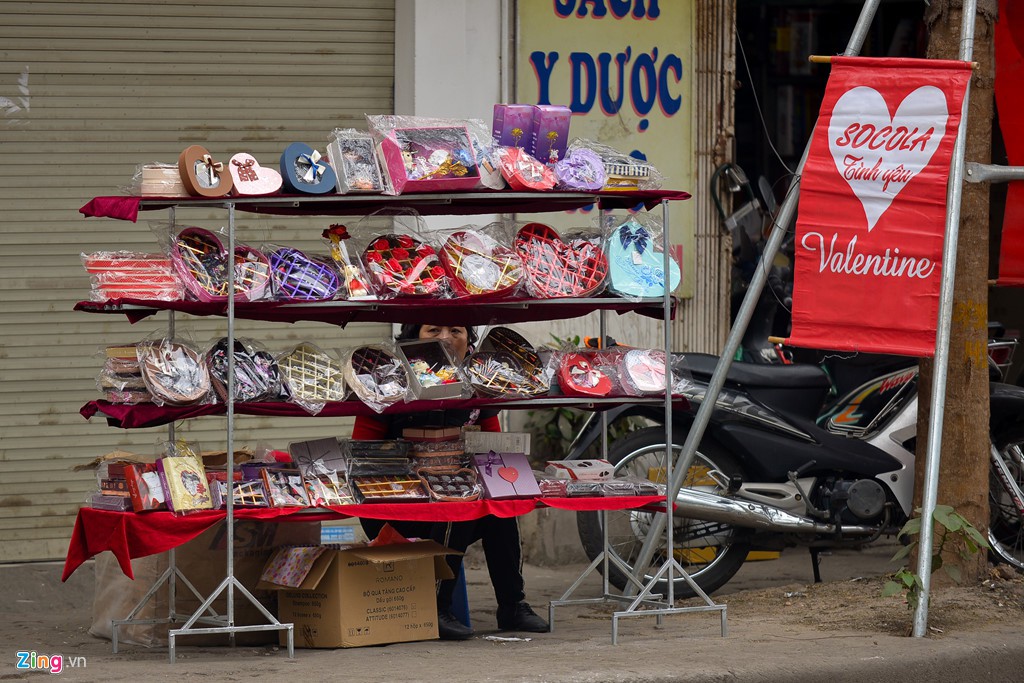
(311, 377)
(377, 376)
(420, 154)
(581, 170)
(481, 263)
(506, 365)
(433, 371)
(201, 261)
(556, 268)
(402, 265)
(299, 277)
(257, 377)
(174, 372)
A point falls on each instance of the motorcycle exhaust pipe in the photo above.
(745, 513)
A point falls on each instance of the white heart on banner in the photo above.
(878, 155)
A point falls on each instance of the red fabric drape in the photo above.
(129, 535)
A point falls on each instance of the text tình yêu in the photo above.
(889, 264)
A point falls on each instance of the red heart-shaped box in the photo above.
(577, 376)
(556, 269)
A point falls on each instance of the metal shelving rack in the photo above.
(646, 604)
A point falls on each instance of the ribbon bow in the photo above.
(637, 236)
(315, 168)
(248, 163)
(212, 168)
(584, 374)
(492, 460)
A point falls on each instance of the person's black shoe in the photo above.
(520, 617)
(450, 628)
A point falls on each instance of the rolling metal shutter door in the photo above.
(109, 85)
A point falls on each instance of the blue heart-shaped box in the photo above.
(303, 171)
(636, 269)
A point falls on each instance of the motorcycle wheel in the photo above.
(710, 552)
(1006, 525)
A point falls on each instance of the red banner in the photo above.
(1009, 36)
(873, 206)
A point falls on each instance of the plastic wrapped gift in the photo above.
(578, 376)
(357, 282)
(131, 275)
(174, 372)
(299, 277)
(157, 179)
(481, 263)
(432, 370)
(550, 133)
(377, 376)
(201, 261)
(506, 364)
(636, 259)
(257, 377)
(555, 268)
(523, 172)
(424, 155)
(581, 169)
(311, 377)
(624, 172)
(352, 155)
(401, 265)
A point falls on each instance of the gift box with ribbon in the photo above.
(506, 475)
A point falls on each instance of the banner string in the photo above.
(757, 103)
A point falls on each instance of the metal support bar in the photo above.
(786, 213)
(993, 173)
(954, 192)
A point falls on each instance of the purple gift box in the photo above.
(506, 475)
(512, 125)
(550, 132)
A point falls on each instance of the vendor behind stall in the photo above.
(500, 536)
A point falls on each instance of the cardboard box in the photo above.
(582, 470)
(435, 355)
(499, 442)
(364, 595)
(550, 134)
(512, 125)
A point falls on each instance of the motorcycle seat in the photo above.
(800, 376)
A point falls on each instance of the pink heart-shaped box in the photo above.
(251, 179)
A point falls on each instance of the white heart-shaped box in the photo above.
(877, 154)
(250, 178)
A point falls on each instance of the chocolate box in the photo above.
(506, 475)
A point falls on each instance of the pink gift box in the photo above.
(404, 146)
(506, 475)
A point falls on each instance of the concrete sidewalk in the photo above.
(45, 616)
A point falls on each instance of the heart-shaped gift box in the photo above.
(524, 173)
(377, 377)
(202, 175)
(506, 364)
(479, 266)
(637, 268)
(556, 269)
(257, 377)
(201, 261)
(305, 171)
(251, 179)
(174, 372)
(578, 376)
(311, 377)
(400, 265)
(298, 277)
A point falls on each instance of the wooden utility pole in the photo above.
(964, 471)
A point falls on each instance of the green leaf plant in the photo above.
(955, 534)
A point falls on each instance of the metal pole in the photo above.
(739, 327)
(938, 399)
(230, 518)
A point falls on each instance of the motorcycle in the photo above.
(819, 456)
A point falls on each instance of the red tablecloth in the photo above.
(129, 535)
